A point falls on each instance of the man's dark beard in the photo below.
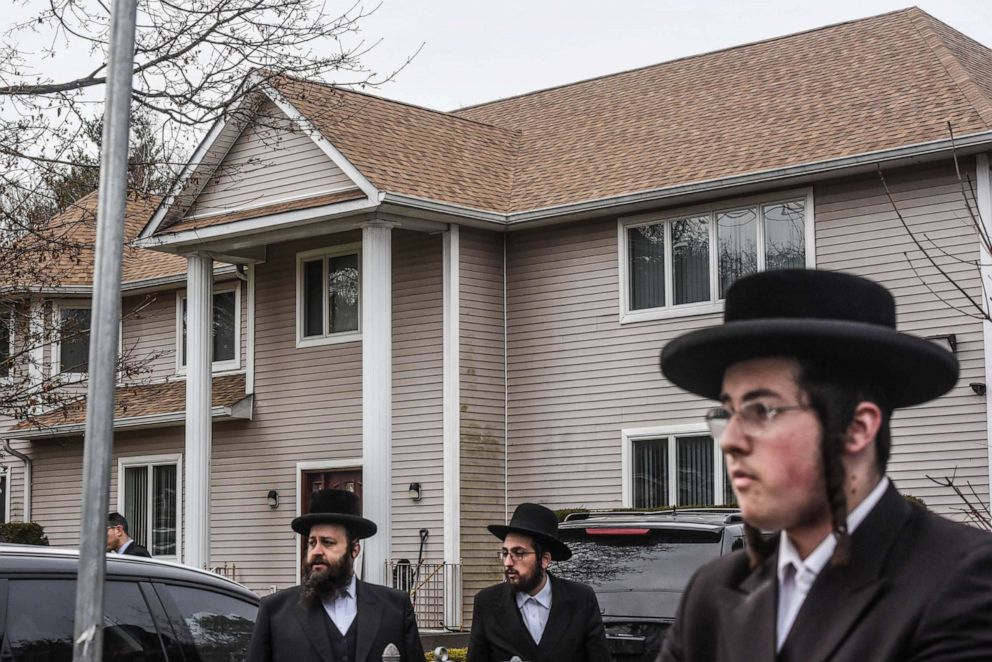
(528, 584)
(323, 584)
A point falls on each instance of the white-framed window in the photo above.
(683, 264)
(4, 495)
(71, 349)
(673, 466)
(328, 295)
(225, 334)
(149, 495)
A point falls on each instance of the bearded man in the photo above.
(332, 616)
(534, 615)
(808, 367)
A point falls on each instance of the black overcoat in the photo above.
(917, 587)
(285, 631)
(134, 549)
(574, 631)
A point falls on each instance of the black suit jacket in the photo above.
(574, 632)
(917, 587)
(285, 631)
(134, 549)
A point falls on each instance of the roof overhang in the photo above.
(241, 410)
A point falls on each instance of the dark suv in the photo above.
(640, 562)
(154, 611)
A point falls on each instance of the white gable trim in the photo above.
(323, 143)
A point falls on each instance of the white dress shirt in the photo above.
(535, 610)
(120, 550)
(343, 608)
(796, 575)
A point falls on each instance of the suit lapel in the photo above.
(512, 624)
(747, 615)
(368, 621)
(840, 595)
(313, 620)
(559, 618)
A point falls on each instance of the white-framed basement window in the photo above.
(673, 466)
(149, 495)
(71, 349)
(328, 295)
(225, 333)
(682, 264)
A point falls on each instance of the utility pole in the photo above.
(104, 332)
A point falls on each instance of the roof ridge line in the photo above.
(445, 113)
(682, 59)
(959, 75)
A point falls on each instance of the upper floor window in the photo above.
(679, 466)
(225, 329)
(685, 264)
(328, 291)
(72, 351)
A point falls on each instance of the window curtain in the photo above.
(650, 473)
(136, 502)
(164, 510)
(343, 291)
(691, 260)
(313, 297)
(785, 235)
(646, 267)
(737, 244)
(694, 470)
(223, 326)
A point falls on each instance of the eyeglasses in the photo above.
(753, 417)
(515, 554)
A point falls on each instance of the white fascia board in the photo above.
(130, 287)
(257, 225)
(318, 138)
(241, 410)
(220, 127)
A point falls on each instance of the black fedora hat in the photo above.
(832, 317)
(330, 506)
(539, 522)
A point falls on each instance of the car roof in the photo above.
(689, 518)
(34, 559)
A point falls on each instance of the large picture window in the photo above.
(225, 328)
(677, 468)
(149, 497)
(684, 264)
(328, 295)
(73, 331)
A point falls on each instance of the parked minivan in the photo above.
(155, 611)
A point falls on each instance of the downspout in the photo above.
(27, 477)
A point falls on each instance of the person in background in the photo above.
(119, 540)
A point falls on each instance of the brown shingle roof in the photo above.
(144, 400)
(79, 225)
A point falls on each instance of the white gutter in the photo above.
(27, 477)
(241, 410)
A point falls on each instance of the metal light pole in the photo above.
(104, 330)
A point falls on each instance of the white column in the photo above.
(983, 194)
(452, 431)
(199, 311)
(377, 393)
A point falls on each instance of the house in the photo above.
(455, 312)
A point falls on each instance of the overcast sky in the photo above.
(480, 50)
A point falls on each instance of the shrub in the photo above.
(454, 654)
(24, 533)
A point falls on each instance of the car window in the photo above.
(41, 613)
(625, 559)
(219, 625)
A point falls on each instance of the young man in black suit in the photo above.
(534, 615)
(119, 540)
(808, 367)
(333, 616)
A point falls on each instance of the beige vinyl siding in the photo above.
(483, 468)
(149, 335)
(417, 395)
(577, 378)
(269, 162)
(857, 230)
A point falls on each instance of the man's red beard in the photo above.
(323, 579)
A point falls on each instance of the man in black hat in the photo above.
(333, 616)
(534, 615)
(808, 368)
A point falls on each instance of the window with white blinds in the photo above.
(677, 470)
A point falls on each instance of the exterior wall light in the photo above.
(414, 491)
(273, 498)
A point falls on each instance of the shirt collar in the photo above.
(120, 550)
(542, 598)
(347, 593)
(817, 559)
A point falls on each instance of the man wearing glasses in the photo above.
(534, 615)
(808, 367)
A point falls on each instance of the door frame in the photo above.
(316, 465)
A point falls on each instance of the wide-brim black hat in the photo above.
(538, 522)
(843, 321)
(330, 506)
